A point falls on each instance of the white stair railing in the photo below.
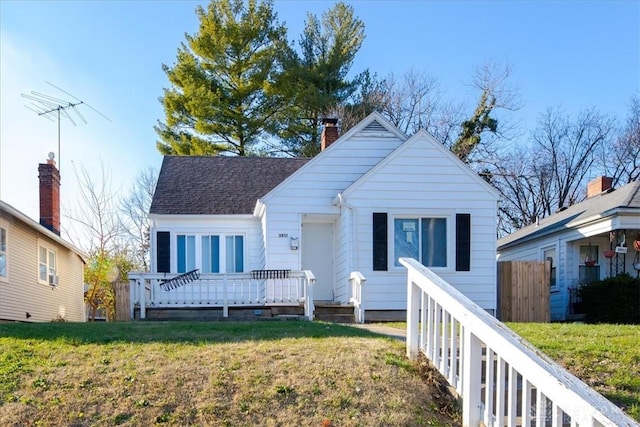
(501, 379)
(357, 281)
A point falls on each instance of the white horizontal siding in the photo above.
(341, 267)
(280, 254)
(319, 181)
(423, 181)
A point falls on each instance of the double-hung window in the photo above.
(234, 254)
(210, 253)
(186, 253)
(424, 239)
(47, 266)
(3, 253)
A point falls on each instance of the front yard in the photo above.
(213, 373)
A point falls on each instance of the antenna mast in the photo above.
(50, 107)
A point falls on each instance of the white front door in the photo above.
(317, 256)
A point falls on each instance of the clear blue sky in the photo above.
(569, 54)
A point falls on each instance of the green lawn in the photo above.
(237, 374)
(607, 357)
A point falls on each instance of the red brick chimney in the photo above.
(49, 195)
(329, 133)
(599, 185)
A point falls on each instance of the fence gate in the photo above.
(523, 291)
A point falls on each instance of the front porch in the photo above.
(259, 294)
(598, 257)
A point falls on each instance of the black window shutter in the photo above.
(163, 251)
(463, 242)
(380, 247)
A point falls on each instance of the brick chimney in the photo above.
(329, 133)
(599, 185)
(49, 195)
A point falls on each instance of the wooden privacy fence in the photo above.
(122, 301)
(523, 291)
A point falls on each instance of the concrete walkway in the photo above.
(380, 328)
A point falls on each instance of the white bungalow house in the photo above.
(41, 274)
(585, 242)
(371, 196)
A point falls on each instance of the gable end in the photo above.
(375, 129)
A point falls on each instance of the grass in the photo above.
(235, 374)
(606, 357)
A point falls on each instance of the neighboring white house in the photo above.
(585, 242)
(41, 275)
(368, 198)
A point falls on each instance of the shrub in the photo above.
(612, 300)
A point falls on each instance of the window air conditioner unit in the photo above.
(53, 280)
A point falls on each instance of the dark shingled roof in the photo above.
(190, 185)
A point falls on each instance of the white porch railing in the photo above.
(502, 379)
(221, 290)
(357, 281)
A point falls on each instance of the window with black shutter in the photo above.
(380, 247)
(463, 242)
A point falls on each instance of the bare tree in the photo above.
(98, 230)
(552, 172)
(525, 186)
(135, 214)
(96, 224)
(570, 147)
(621, 160)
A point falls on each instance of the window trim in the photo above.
(4, 226)
(450, 237)
(198, 235)
(552, 287)
(50, 250)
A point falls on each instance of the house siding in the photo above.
(311, 191)
(22, 293)
(423, 181)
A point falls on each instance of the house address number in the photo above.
(283, 235)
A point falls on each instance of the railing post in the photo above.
(142, 292)
(413, 305)
(309, 308)
(225, 296)
(356, 286)
(471, 379)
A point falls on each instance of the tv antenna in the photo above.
(52, 108)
